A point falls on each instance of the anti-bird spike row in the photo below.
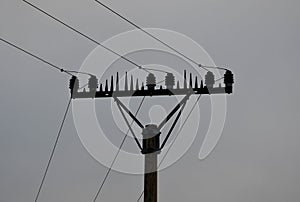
(207, 87)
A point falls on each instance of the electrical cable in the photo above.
(156, 38)
(149, 34)
(37, 57)
(172, 143)
(156, 70)
(84, 35)
(108, 171)
(77, 72)
(52, 152)
(219, 79)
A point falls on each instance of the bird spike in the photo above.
(191, 81)
(137, 84)
(142, 88)
(126, 82)
(112, 84)
(184, 79)
(101, 88)
(201, 86)
(131, 83)
(117, 82)
(106, 85)
(196, 82)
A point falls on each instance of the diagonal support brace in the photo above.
(173, 126)
(174, 111)
(129, 126)
(129, 112)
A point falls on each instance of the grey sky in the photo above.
(257, 158)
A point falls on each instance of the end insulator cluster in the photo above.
(74, 84)
(228, 81)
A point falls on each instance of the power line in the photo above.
(52, 152)
(172, 143)
(151, 35)
(36, 57)
(115, 158)
(84, 35)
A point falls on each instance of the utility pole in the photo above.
(151, 146)
(151, 149)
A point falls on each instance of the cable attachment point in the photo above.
(74, 85)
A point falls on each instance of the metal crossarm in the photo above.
(152, 89)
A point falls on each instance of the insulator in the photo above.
(74, 83)
(228, 78)
(151, 81)
(93, 83)
(209, 79)
(170, 81)
(178, 85)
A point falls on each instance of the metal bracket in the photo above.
(129, 126)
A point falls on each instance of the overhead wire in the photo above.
(37, 57)
(177, 134)
(85, 36)
(121, 56)
(149, 34)
(115, 158)
(52, 152)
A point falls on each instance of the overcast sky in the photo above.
(257, 158)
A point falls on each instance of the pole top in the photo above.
(150, 130)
